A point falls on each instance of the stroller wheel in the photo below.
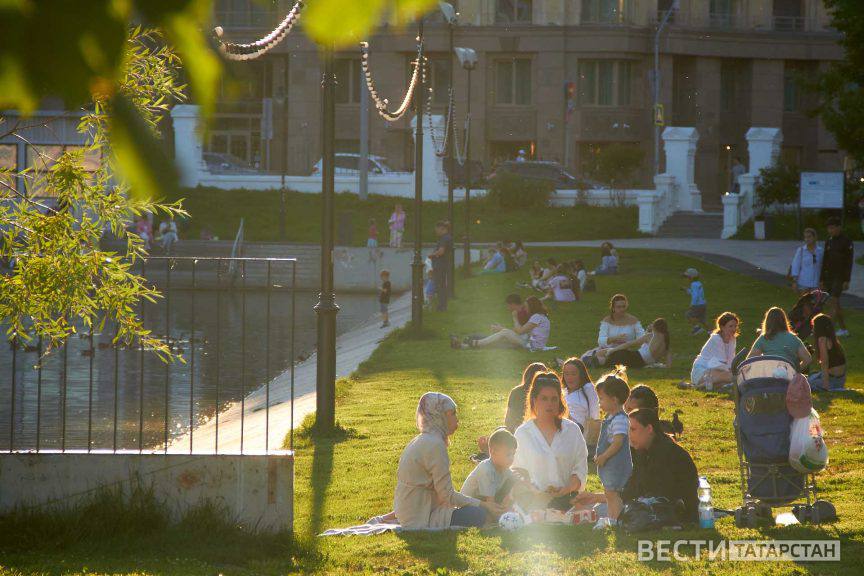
(823, 511)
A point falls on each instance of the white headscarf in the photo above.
(430, 413)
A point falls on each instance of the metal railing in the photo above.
(790, 23)
(94, 394)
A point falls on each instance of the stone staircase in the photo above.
(692, 225)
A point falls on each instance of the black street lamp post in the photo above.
(452, 18)
(468, 60)
(417, 264)
(326, 309)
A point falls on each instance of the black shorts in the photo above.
(834, 287)
(629, 358)
(696, 313)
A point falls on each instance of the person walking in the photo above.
(397, 226)
(807, 263)
(837, 269)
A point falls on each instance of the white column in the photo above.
(434, 178)
(188, 153)
(648, 200)
(680, 146)
(731, 221)
(763, 146)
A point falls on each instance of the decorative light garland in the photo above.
(253, 50)
(382, 103)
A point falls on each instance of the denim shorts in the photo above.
(383, 307)
(616, 472)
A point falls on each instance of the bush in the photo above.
(508, 190)
(778, 185)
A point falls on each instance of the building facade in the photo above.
(725, 65)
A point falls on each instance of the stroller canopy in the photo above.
(764, 367)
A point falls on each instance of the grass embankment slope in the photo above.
(220, 211)
(343, 481)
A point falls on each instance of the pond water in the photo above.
(232, 342)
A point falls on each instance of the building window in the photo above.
(791, 91)
(243, 14)
(789, 15)
(513, 11)
(605, 11)
(604, 83)
(513, 81)
(721, 13)
(41, 158)
(437, 77)
(347, 80)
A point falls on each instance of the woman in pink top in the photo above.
(397, 226)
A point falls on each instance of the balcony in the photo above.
(791, 24)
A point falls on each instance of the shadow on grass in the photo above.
(439, 549)
(823, 400)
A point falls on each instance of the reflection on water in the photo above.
(232, 342)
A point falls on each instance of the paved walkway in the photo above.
(767, 260)
(352, 349)
(747, 256)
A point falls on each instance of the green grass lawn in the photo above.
(343, 480)
(220, 211)
(786, 227)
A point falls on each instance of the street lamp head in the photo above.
(449, 12)
(467, 57)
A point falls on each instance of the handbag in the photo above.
(644, 514)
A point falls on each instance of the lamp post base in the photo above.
(325, 399)
(417, 294)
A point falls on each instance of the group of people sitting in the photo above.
(539, 459)
(505, 257)
(714, 366)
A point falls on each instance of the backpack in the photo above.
(645, 514)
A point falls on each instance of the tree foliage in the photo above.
(59, 276)
(841, 87)
(778, 185)
(617, 165)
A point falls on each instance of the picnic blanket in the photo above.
(375, 529)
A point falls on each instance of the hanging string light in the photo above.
(253, 50)
(381, 104)
(442, 150)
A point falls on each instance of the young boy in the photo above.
(372, 242)
(384, 298)
(614, 464)
(491, 480)
(696, 313)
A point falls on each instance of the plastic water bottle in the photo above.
(706, 509)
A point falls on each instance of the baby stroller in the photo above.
(762, 434)
(806, 307)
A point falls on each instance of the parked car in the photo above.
(348, 164)
(545, 170)
(224, 163)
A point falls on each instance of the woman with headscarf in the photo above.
(425, 497)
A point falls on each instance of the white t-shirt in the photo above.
(540, 334)
(716, 353)
(629, 331)
(484, 481)
(583, 406)
(582, 276)
(561, 289)
(552, 465)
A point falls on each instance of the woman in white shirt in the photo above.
(713, 365)
(551, 451)
(653, 347)
(582, 401)
(807, 263)
(560, 287)
(619, 327)
(534, 334)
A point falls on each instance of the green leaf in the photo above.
(341, 22)
(140, 156)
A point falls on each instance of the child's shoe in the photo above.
(697, 329)
(385, 324)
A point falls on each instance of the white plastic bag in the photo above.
(807, 450)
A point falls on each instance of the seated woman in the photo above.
(713, 365)
(560, 286)
(551, 450)
(532, 335)
(617, 328)
(650, 348)
(832, 359)
(608, 259)
(777, 339)
(580, 394)
(661, 468)
(425, 497)
(642, 396)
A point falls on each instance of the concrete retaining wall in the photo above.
(257, 491)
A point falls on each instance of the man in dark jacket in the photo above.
(837, 270)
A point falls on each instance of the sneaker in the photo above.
(843, 333)
(697, 330)
(684, 385)
(385, 324)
